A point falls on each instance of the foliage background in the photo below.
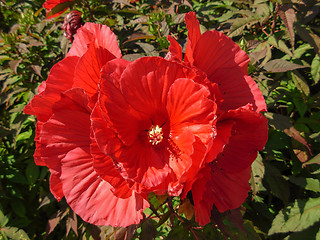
(282, 40)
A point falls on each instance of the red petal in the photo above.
(225, 190)
(92, 198)
(50, 4)
(115, 108)
(248, 136)
(59, 80)
(223, 133)
(175, 51)
(189, 108)
(37, 155)
(230, 189)
(140, 163)
(56, 185)
(226, 64)
(67, 129)
(107, 170)
(151, 77)
(102, 37)
(193, 35)
(87, 72)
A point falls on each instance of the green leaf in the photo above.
(307, 183)
(300, 83)
(18, 207)
(279, 187)
(297, 217)
(280, 45)
(257, 174)
(240, 23)
(314, 160)
(32, 172)
(309, 37)
(3, 219)
(15, 233)
(315, 69)
(301, 50)
(280, 65)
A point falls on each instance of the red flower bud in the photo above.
(71, 24)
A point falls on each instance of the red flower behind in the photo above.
(241, 128)
(63, 137)
(50, 4)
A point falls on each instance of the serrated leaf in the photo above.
(148, 49)
(55, 219)
(281, 65)
(37, 69)
(297, 217)
(288, 16)
(315, 69)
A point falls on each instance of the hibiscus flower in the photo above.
(241, 130)
(112, 131)
(51, 4)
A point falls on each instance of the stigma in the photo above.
(155, 135)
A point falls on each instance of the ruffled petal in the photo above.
(249, 134)
(108, 171)
(225, 64)
(151, 77)
(102, 37)
(68, 128)
(92, 198)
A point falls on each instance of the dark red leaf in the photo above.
(288, 16)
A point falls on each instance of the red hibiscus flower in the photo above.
(241, 130)
(50, 4)
(112, 131)
(154, 121)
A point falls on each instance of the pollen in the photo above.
(155, 135)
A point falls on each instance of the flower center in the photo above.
(155, 135)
